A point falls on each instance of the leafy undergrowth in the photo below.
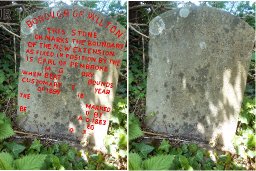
(187, 156)
(162, 155)
(54, 157)
(245, 139)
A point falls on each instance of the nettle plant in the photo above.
(35, 156)
(5, 127)
(7, 161)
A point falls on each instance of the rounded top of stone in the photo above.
(191, 13)
(52, 14)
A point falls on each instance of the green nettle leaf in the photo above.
(2, 77)
(179, 150)
(208, 165)
(251, 143)
(192, 148)
(63, 168)
(134, 128)
(144, 149)
(2, 116)
(219, 167)
(56, 148)
(249, 103)
(225, 159)
(134, 161)
(165, 146)
(7, 120)
(159, 162)
(6, 161)
(15, 148)
(64, 148)
(55, 162)
(36, 145)
(64, 161)
(50, 150)
(94, 157)
(122, 143)
(6, 131)
(30, 162)
(243, 118)
(194, 163)
(199, 155)
(184, 148)
(184, 162)
(71, 154)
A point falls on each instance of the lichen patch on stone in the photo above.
(184, 12)
(157, 26)
(202, 45)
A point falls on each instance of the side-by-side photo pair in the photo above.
(127, 85)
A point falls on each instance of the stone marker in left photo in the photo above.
(70, 58)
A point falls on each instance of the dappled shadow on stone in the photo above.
(197, 74)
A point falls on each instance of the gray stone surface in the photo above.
(54, 101)
(198, 66)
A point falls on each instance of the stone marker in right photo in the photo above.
(199, 59)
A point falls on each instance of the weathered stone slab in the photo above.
(199, 59)
(71, 56)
